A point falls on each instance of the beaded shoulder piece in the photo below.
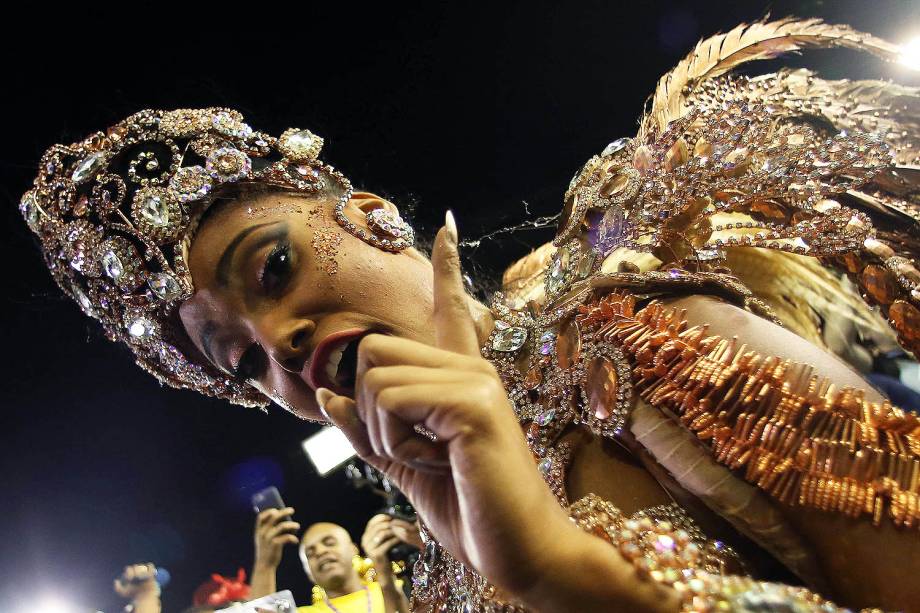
(785, 429)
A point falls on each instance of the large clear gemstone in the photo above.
(141, 327)
(545, 465)
(300, 142)
(164, 285)
(88, 167)
(558, 273)
(112, 265)
(615, 146)
(83, 300)
(155, 209)
(510, 338)
(29, 209)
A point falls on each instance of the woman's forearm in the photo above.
(585, 573)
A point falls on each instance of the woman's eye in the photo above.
(276, 269)
(251, 364)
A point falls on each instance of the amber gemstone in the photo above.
(906, 320)
(568, 344)
(601, 384)
(852, 263)
(81, 207)
(533, 378)
(879, 284)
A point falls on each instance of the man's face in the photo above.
(326, 551)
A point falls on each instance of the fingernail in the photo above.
(451, 224)
(323, 396)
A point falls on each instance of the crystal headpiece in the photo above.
(116, 212)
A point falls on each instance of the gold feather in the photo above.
(747, 42)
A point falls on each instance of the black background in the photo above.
(474, 107)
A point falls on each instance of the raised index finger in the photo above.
(453, 323)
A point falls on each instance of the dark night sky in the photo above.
(473, 108)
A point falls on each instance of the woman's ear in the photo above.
(367, 202)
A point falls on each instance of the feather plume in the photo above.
(747, 42)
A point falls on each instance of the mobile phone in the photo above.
(279, 602)
(269, 498)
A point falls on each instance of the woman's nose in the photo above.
(290, 346)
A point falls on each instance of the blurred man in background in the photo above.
(328, 552)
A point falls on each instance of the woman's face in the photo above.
(284, 294)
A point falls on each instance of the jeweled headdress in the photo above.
(116, 212)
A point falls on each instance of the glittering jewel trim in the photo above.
(661, 549)
(785, 429)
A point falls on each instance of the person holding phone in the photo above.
(138, 584)
(327, 552)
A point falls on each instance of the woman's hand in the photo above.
(476, 487)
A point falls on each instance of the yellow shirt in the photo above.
(356, 602)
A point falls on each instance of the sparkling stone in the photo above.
(430, 557)
(675, 273)
(614, 186)
(906, 320)
(29, 209)
(88, 167)
(586, 264)
(612, 230)
(556, 278)
(617, 145)
(465, 603)
(546, 417)
(78, 259)
(602, 385)
(547, 342)
(533, 378)
(300, 142)
(164, 285)
(155, 209)
(511, 338)
(191, 183)
(568, 344)
(141, 327)
(879, 284)
(81, 206)
(83, 300)
(112, 265)
(545, 465)
(664, 543)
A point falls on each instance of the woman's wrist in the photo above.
(585, 572)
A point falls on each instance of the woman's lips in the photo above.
(329, 348)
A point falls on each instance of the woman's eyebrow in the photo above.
(223, 265)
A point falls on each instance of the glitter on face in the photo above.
(259, 212)
(325, 244)
(325, 241)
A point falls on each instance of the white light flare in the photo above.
(328, 449)
(910, 54)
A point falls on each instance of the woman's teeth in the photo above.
(332, 366)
